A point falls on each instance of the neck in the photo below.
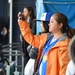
(57, 35)
(28, 16)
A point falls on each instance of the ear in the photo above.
(60, 25)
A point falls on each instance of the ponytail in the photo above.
(70, 31)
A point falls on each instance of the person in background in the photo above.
(71, 66)
(33, 52)
(28, 12)
(3, 31)
(53, 51)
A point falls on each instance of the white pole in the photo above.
(10, 34)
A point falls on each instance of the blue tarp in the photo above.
(39, 10)
(64, 6)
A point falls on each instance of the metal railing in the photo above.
(14, 50)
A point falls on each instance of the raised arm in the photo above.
(33, 40)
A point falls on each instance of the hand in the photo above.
(19, 16)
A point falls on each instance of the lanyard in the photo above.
(47, 48)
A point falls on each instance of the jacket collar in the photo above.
(63, 40)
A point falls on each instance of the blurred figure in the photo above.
(71, 66)
(3, 31)
(28, 12)
(2, 69)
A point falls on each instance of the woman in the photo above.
(29, 69)
(53, 51)
(28, 12)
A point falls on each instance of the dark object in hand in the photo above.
(22, 17)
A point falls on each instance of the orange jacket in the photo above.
(57, 56)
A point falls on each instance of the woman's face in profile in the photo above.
(26, 12)
(42, 27)
(53, 25)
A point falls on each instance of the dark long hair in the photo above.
(46, 27)
(32, 19)
(32, 16)
(61, 18)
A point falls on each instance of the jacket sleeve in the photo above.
(63, 59)
(34, 40)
